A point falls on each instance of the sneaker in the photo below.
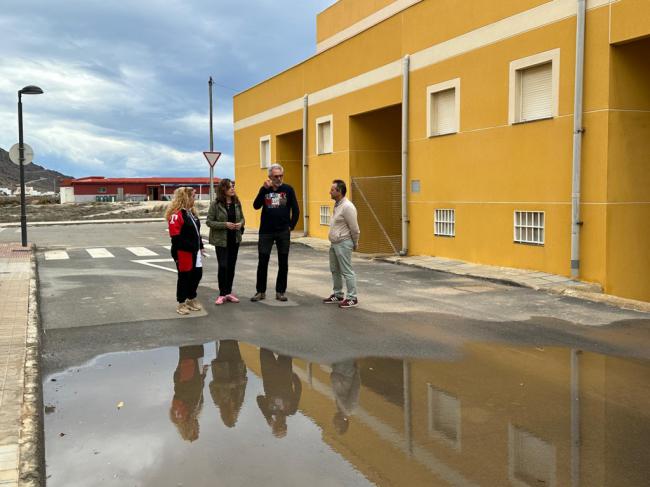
(333, 299)
(193, 304)
(182, 309)
(220, 300)
(281, 297)
(232, 298)
(258, 297)
(349, 303)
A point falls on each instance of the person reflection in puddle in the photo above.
(346, 383)
(229, 380)
(189, 377)
(282, 389)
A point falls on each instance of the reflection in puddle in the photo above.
(499, 416)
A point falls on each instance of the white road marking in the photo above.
(141, 251)
(2, 229)
(150, 263)
(168, 247)
(56, 255)
(99, 253)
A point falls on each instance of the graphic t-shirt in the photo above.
(280, 209)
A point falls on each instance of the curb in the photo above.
(586, 295)
(495, 280)
(31, 443)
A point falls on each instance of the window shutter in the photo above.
(536, 92)
(265, 153)
(325, 137)
(444, 108)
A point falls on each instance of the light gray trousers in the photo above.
(341, 267)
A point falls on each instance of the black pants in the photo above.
(188, 283)
(265, 243)
(227, 260)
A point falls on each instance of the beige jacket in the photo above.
(344, 224)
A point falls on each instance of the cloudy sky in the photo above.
(125, 83)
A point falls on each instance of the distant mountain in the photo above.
(10, 175)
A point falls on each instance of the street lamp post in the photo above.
(27, 90)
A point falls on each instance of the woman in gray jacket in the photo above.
(226, 223)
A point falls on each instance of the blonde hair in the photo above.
(182, 198)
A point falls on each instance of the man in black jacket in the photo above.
(280, 214)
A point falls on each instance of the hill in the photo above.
(10, 175)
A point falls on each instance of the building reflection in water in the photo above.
(282, 390)
(189, 377)
(501, 415)
(228, 385)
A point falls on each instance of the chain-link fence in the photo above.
(378, 202)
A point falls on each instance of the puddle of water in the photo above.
(229, 413)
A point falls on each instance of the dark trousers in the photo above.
(188, 283)
(227, 260)
(264, 246)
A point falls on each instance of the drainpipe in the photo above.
(305, 163)
(578, 130)
(405, 152)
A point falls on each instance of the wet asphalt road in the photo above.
(435, 362)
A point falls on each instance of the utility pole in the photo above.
(210, 83)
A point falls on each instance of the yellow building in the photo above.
(452, 123)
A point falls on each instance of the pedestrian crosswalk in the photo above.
(141, 251)
(129, 253)
(106, 253)
(100, 253)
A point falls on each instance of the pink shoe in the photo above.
(220, 300)
(232, 298)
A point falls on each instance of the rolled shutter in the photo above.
(536, 92)
(444, 108)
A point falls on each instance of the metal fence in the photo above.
(378, 202)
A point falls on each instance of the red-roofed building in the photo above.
(99, 188)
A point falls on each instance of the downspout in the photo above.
(578, 130)
(305, 163)
(405, 152)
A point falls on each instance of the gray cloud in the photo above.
(126, 82)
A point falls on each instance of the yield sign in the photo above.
(212, 157)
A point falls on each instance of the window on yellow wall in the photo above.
(534, 87)
(535, 94)
(443, 108)
(444, 223)
(265, 151)
(324, 135)
(324, 215)
(529, 227)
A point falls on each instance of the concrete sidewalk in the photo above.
(540, 281)
(20, 407)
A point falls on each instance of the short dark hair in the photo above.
(340, 186)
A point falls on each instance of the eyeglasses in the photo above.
(278, 176)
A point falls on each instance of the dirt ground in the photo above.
(10, 212)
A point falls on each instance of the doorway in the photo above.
(289, 155)
(375, 171)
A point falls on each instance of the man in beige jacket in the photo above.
(344, 238)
